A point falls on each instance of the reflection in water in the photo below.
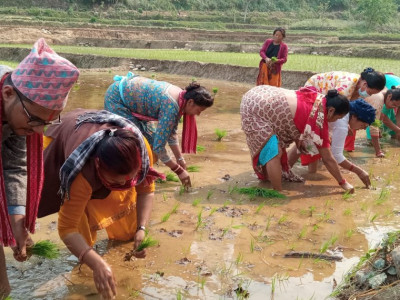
(239, 241)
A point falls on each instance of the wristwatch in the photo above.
(140, 227)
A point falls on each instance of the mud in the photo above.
(240, 242)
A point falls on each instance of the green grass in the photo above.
(296, 62)
(11, 64)
(44, 249)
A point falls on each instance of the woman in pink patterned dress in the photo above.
(273, 118)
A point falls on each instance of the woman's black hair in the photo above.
(395, 92)
(199, 94)
(375, 80)
(282, 30)
(119, 151)
(339, 102)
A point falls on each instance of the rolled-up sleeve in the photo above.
(339, 130)
(13, 154)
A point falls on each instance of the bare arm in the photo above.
(144, 205)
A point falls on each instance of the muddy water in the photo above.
(238, 241)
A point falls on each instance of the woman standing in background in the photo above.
(273, 55)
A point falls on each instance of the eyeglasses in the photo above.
(33, 120)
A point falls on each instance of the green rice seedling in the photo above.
(311, 210)
(220, 134)
(300, 263)
(147, 242)
(273, 286)
(194, 79)
(196, 202)
(237, 226)
(179, 295)
(215, 91)
(202, 282)
(164, 195)
(226, 203)
(133, 293)
(44, 249)
(302, 234)
(182, 190)
(213, 210)
(268, 224)
(171, 177)
(347, 212)
(175, 208)
(239, 258)
(260, 206)
(374, 217)
(364, 206)
(328, 243)
(193, 169)
(153, 76)
(225, 231)
(200, 222)
(260, 192)
(383, 196)
(200, 148)
(252, 245)
(349, 233)
(377, 123)
(165, 217)
(315, 227)
(282, 219)
(328, 203)
(209, 194)
(346, 196)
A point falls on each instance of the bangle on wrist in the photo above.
(180, 171)
(342, 182)
(83, 253)
(176, 168)
(180, 159)
(141, 227)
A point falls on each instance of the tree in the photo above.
(377, 12)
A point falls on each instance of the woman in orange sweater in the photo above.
(105, 181)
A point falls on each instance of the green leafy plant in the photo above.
(200, 222)
(44, 249)
(165, 217)
(172, 177)
(196, 202)
(260, 206)
(209, 194)
(147, 242)
(215, 90)
(220, 134)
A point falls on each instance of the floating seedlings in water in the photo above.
(260, 207)
(44, 249)
(200, 148)
(196, 202)
(193, 169)
(259, 192)
(220, 134)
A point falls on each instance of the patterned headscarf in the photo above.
(44, 77)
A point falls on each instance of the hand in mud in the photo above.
(104, 281)
(364, 178)
(139, 236)
(21, 236)
(184, 177)
(347, 187)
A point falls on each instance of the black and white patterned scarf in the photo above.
(78, 158)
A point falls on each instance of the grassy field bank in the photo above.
(296, 62)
